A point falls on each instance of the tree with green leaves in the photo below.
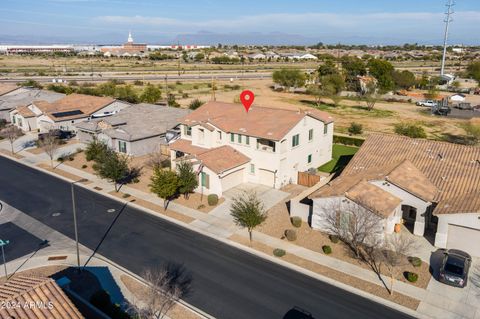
(126, 93)
(95, 150)
(113, 167)
(404, 79)
(289, 78)
(473, 131)
(248, 211)
(187, 179)
(328, 68)
(382, 71)
(151, 94)
(195, 104)
(473, 70)
(352, 68)
(164, 183)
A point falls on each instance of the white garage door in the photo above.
(464, 238)
(232, 180)
(266, 177)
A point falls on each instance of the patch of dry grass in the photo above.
(198, 202)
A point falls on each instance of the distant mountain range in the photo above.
(211, 38)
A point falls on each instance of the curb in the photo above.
(249, 250)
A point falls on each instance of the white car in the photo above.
(427, 103)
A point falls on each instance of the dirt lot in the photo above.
(334, 274)
(279, 220)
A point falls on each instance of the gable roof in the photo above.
(222, 159)
(73, 106)
(26, 96)
(263, 122)
(44, 291)
(25, 111)
(373, 198)
(448, 171)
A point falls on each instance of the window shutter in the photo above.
(207, 181)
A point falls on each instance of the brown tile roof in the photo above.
(51, 301)
(25, 111)
(87, 104)
(186, 146)
(373, 198)
(222, 159)
(264, 122)
(453, 169)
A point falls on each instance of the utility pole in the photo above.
(74, 208)
(166, 88)
(448, 19)
(213, 90)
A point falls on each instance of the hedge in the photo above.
(347, 140)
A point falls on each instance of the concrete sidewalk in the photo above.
(218, 224)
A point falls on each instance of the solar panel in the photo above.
(67, 113)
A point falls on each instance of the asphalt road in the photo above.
(226, 282)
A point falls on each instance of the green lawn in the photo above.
(341, 156)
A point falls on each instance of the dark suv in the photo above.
(455, 266)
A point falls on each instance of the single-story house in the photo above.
(228, 146)
(64, 113)
(457, 97)
(426, 184)
(22, 96)
(136, 130)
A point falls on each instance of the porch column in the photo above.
(419, 227)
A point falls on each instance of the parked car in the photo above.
(427, 103)
(454, 269)
(61, 135)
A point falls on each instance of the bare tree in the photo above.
(156, 159)
(370, 95)
(11, 133)
(354, 224)
(49, 143)
(167, 286)
(394, 254)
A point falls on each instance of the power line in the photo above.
(448, 18)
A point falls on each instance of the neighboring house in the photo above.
(366, 83)
(299, 56)
(457, 98)
(257, 56)
(64, 113)
(136, 130)
(23, 96)
(268, 146)
(24, 297)
(430, 185)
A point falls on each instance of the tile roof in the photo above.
(86, 104)
(453, 169)
(373, 198)
(264, 122)
(186, 146)
(51, 301)
(222, 159)
(25, 111)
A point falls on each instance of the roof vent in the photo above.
(440, 156)
(269, 133)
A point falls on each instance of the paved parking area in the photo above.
(269, 196)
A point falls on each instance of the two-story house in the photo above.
(229, 146)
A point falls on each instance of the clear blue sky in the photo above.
(354, 21)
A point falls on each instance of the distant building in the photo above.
(130, 48)
(19, 49)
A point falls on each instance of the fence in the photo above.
(306, 179)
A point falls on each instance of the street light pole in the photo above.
(75, 220)
(4, 243)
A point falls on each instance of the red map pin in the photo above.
(247, 98)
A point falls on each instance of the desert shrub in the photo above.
(126, 195)
(277, 252)
(61, 159)
(212, 199)
(195, 104)
(412, 277)
(415, 261)
(71, 158)
(165, 163)
(185, 95)
(327, 250)
(291, 234)
(296, 221)
(95, 150)
(346, 140)
(410, 130)
(84, 166)
(355, 128)
(334, 238)
(195, 87)
(201, 206)
(178, 83)
(138, 82)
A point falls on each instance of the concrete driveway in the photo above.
(443, 301)
(269, 196)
